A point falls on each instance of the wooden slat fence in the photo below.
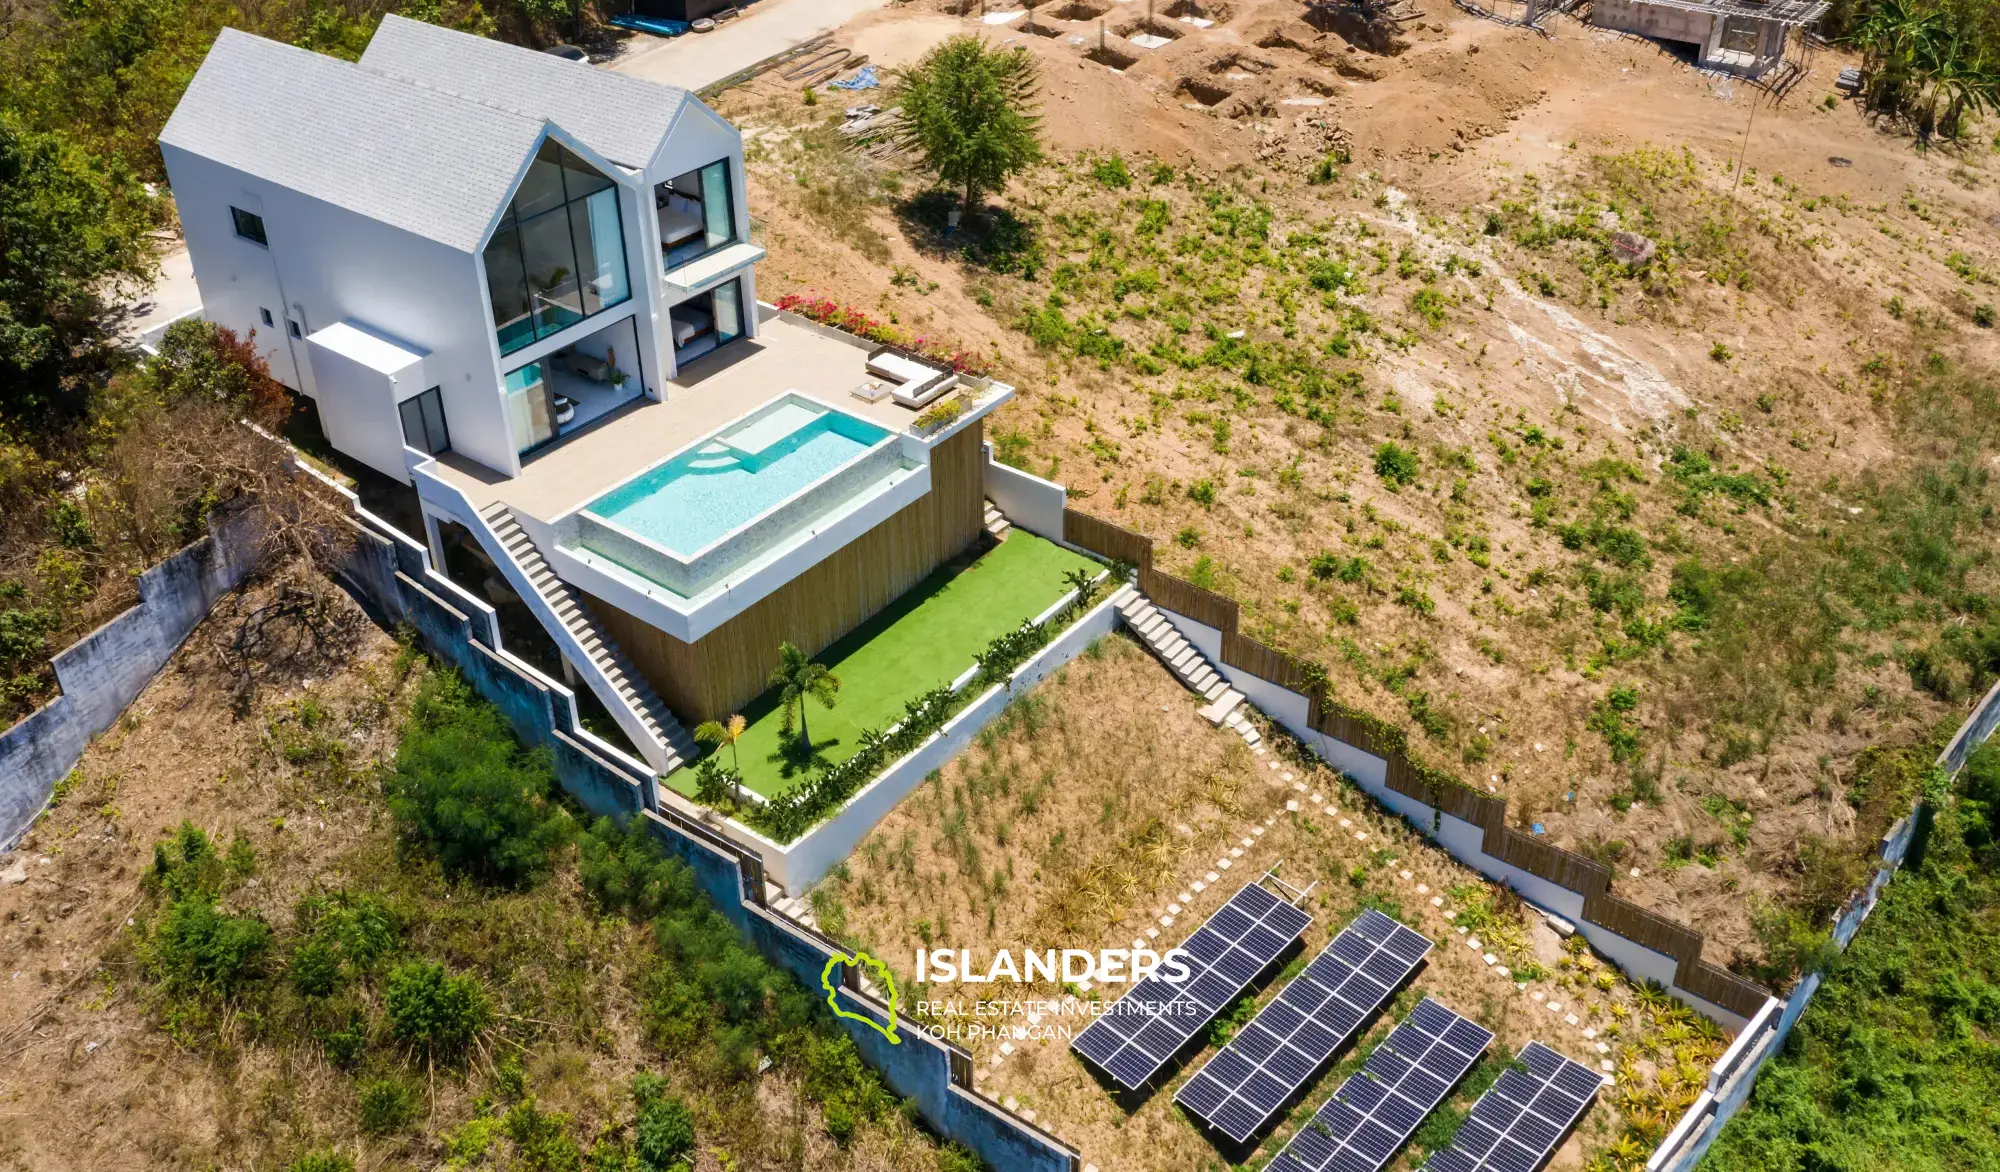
(1184, 597)
(1266, 663)
(1567, 869)
(1107, 540)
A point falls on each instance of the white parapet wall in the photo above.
(1027, 501)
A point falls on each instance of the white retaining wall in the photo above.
(1029, 502)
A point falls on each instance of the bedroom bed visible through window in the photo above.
(696, 212)
(706, 321)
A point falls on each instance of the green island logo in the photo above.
(881, 973)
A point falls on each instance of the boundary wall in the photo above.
(106, 670)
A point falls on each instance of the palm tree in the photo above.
(798, 678)
(717, 734)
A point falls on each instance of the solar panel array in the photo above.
(1157, 1017)
(1376, 1111)
(1288, 1041)
(1516, 1125)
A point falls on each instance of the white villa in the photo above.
(527, 287)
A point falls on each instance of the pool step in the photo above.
(996, 523)
(661, 740)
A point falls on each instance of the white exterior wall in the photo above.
(699, 137)
(359, 405)
(326, 265)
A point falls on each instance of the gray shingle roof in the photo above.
(427, 162)
(622, 118)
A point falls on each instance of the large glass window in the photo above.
(697, 213)
(559, 253)
(423, 422)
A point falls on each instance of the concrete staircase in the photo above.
(661, 740)
(996, 523)
(1187, 663)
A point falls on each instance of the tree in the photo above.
(969, 111)
(73, 236)
(798, 678)
(728, 732)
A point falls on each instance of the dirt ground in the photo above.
(288, 760)
(1102, 812)
(1869, 248)
(86, 1078)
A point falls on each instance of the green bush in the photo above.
(840, 1122)
(1396, 465)
(387, 1105)
(440, 1016)
(541, 1139)
(198, 949)
(328, 1160)
(663, 1138)
(315, 969)
(465, 790)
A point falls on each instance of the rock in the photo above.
(16, 873)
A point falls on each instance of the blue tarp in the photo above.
(657, 26)
(864, 80)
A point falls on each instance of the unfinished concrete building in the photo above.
(1745, 37)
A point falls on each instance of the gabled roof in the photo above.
(622, 118)
(419, 159)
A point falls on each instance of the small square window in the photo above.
(250, 226)
(296, 331)
(268, 319)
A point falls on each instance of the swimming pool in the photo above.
(730, 479)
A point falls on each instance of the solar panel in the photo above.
(1376, 1111)
(1516, 1125)
(1156, 1017)
(1288, 1041)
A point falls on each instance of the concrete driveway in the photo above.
(766, 29)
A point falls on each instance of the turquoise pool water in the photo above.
(702, 494)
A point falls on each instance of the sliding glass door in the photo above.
(529, 415)
(728, 312)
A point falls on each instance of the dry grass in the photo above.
(1100, 800)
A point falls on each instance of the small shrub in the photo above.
(1720, 352)
(438, 1015)
(1202, 492)
(1110, 171)
(315, 969)
(328, 1160)
(1396, 465)
(197, 949)
(840, 1122)
(387, 1105)
(1982, 316)
(664, 1137)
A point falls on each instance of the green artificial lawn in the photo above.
(927, 637)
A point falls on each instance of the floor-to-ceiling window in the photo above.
(697, 213)
(559, 253)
